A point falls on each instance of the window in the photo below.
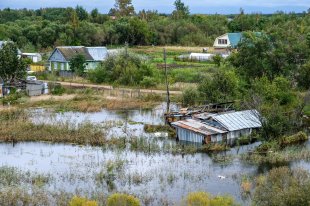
(222, 41)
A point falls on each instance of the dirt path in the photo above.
(107, 87)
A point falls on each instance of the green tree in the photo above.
(223, 86)
(278, 105)
(189, 96)
(253, 58)
(81, 13)
(124, 8)
(217, 59)
(181, 11)
(78, 64)
(303, 77)
(11, 66)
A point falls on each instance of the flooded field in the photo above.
(77, 168)
(120, 122)
(156, 178)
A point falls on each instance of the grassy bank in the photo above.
(87, 100)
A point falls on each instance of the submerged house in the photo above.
(61, 56)
(220, 127)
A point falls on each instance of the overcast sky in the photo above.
(166, 6)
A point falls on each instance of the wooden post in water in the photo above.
(167, 84)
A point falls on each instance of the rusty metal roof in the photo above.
(197, 126)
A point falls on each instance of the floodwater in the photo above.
(156, 178)
(161, 177)
(121, 122)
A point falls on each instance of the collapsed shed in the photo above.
(223, 127)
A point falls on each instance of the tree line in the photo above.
(48, 27)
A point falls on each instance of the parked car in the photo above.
(31, 78)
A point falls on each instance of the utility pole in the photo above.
(167, 84)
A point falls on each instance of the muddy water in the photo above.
(121, 122)
(163, 177)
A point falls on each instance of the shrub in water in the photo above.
(283, 186)
(205, 199)
(118, 199)
(80, 201)
(293, 139)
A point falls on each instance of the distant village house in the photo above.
(35, 57)
(227, 41)
(61, 56)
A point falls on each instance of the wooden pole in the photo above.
(167, 83)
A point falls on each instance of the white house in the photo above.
(227, 41)
(35, 57)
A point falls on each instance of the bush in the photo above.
(189, 96)
(80, 201)
(205, 199)
(283, 186)
(293, 139)
(148, 82)
(118, 199)
(13, 98)
(58, 89)
(124, 69)
(198, 199)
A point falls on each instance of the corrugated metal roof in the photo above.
(69, 52)
(98, 53)
(197, 126)
(239, 120)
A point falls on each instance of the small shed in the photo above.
(35, 88)
(191, 130)
(217, 127)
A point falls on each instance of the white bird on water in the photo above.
(221, 177)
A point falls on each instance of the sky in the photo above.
(166, 6)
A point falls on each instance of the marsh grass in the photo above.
(293, 153)
(148, 128)
(16, 126)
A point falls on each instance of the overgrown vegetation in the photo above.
(126, 69)
(203, 199)
(282, 186)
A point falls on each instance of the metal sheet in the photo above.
(98, 53)
(239, 120)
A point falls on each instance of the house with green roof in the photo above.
(227, 41)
